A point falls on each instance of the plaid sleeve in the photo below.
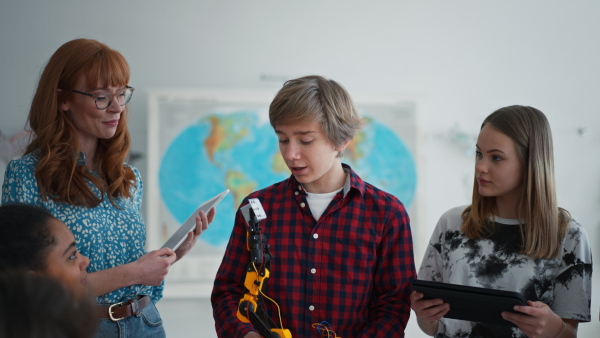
(395, 270)
(228, 286)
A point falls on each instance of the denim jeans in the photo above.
(146, 324)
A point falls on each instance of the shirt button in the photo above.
(303, 204)
(313, 270)
(311, 308)
(315, 236)
(296, 193)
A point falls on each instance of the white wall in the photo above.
(460, 60)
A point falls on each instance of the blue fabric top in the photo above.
(108, 236)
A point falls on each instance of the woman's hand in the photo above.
(538, 320)
(428, 311)
(150, 269)
(202, 222)
(153, 267)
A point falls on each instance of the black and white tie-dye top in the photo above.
(564, 283)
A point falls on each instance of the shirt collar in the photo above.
(81, 160)
(353, 181)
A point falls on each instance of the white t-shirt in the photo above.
(319, 202)
(564, 282)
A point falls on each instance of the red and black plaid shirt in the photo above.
(352, 268)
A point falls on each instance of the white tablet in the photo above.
(190, 224)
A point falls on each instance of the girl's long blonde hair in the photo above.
(55, 140)
(543, 224)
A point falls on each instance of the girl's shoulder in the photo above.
(454, 212)
(576, 234)
(451, 219)
(576, 246)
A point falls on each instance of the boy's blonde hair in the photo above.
(315, 98)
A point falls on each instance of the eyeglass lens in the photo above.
(105, 99)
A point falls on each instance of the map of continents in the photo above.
(238, 151)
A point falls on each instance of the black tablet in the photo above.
(472, 303)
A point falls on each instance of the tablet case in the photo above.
(190, 224)
(472, 303)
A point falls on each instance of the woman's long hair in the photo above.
(542, 223)
(55, 140)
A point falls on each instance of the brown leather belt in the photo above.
(119, 311)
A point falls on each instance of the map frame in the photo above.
(193, 276)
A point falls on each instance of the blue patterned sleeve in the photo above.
(19, 184)
(9, 185)
(138, 190)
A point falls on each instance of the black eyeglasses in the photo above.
(104, 100)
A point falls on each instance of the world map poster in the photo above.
(203, 142)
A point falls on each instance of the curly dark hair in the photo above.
(25, 237)
(34, 305)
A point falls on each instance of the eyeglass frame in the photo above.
(95, 97)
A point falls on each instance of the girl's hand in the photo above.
(429, 310)
(535, 320)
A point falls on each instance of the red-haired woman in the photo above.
(75, 168)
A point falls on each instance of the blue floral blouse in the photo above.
(108, 236)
